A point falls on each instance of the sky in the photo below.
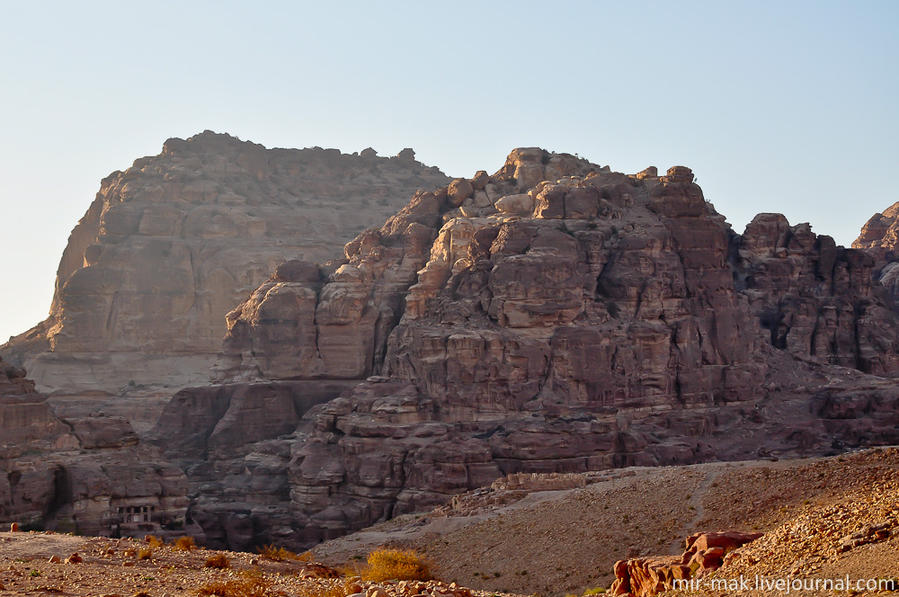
(776, 106)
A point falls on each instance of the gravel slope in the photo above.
(565, 541)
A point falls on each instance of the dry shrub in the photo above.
(251, 584)
(277, 554)
(396, 564)
(154, 541)
(219, 560)
(306, 556)
(184, 543)
(144, 553)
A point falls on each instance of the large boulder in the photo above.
(704, 553)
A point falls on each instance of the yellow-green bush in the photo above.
(250, 584)
(154, 541)
(278, 554)
(184, 543)
(396, 564)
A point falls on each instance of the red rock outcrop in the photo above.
(881, 232)
(645, 577)
(172, 243)
(553, 317)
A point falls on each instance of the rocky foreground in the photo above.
(47, 563)
(550, 534)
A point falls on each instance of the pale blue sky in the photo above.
(777, 106)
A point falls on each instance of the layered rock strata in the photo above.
(234, 441)
(172, 243)
(87, 475)
(881, 233)
(553, 317)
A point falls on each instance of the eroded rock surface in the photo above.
(171, 244)
(881, 232)
(880, 237)
(819, 301)
(704, 553)
(553, 317)
(86, 475)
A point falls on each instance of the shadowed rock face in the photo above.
(820, 302)
(171, 244)
(88, 475)
(25, 416)
(553, 317)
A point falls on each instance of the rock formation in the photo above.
(703, 553)
(880, 237)
(881, 232)
(818, 301)
(171, 244)
(25, 417)
(553, 317)
(232, 441)
(87, 475)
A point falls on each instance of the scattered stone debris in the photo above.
(29, 563)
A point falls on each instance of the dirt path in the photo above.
(694, 505)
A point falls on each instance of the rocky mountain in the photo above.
(87, 475)
(172, 243)
(552, 317)
(880, 237)
(880, 232)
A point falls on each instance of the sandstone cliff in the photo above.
(89, 475)
(881, 232)
(171, 244)
(553, 317)
(880, 237)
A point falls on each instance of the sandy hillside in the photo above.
(566, 541)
